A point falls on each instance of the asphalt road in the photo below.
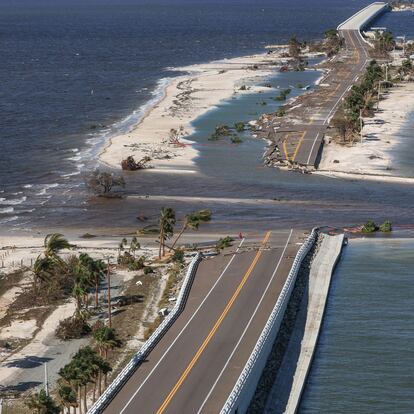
(195, 366)
(302, 143)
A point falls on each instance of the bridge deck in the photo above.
(195, 366)
(364, 16)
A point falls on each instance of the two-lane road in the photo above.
(301, 144)
(195, 366)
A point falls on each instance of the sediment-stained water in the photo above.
(75, 74)
(364, 362)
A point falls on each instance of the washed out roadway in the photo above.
(195, 366)
(301, 143)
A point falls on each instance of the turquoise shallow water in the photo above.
(364, 362)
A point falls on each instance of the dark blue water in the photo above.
(364, 362)
(71, 73)
(74, 73)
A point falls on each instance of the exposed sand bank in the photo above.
(371, 159)
(186, 98)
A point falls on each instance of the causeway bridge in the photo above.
(303, 144)
(208, 354)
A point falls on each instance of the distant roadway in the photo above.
(301, 144)
(195, 366)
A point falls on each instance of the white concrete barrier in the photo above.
(245, 387)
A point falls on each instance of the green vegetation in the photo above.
(359, 101)
(333, 42)
(386, 227)
(371, 227)
(166, 225)
(220, 131)
(239, 126)
(236, 140)
(281, 112)
(224, 242)
(86, 368)
(41, 403)
(283, 95)
(192, 221)
(383, 42)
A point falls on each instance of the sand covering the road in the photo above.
(372, 159)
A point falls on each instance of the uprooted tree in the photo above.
(175, 136)
(129, 164)
(103, 182)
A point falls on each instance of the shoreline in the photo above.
(185, 98)
(373, 159)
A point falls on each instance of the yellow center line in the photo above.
(284, 146)
(299, 144)
(213, 330)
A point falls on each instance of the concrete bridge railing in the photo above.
(243, 391)
(358, 21)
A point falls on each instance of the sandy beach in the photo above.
(186, 98)
(371, 159)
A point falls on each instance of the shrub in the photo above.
(243, 88)
(369, 227)
(239, 126)
(178, 256)
(148, 270)
(386, 227)
(281, 112)
(220, 131)
(224, 242)
(72, 328)
(236, 140)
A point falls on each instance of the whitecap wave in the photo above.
(13, 201)
(8, 219)
(6, 210)
(46, 187)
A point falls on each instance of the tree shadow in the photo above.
(27, 362)
(20, 387)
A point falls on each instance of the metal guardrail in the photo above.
(108, 395)
(242, 382)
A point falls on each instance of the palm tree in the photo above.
(193, 221)
(106, 339)
(43, 269)
(67, 397)
(96, 272)
(85, 367)
(54, 243)
(166, 222)
(134, 246)
(41, 403)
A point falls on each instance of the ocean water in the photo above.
(74, 73)
(364, 361)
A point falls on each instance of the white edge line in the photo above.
(182, 330)
(248, 324)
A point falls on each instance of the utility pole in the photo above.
(108, 276)
(360, 123)
(379, 92)
(46, 381)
